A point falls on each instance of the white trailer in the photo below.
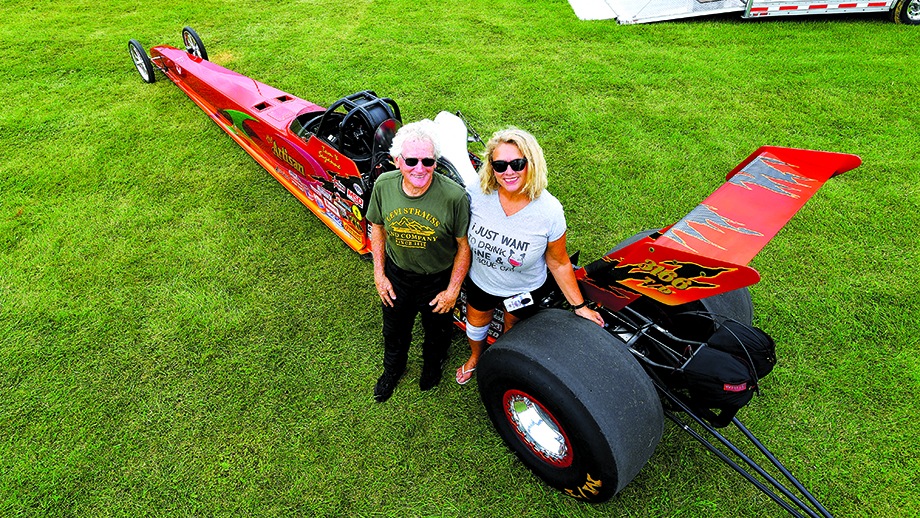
(643, 11)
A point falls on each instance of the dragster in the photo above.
(582, 406)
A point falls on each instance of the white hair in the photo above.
(424, 130)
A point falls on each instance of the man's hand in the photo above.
(385, 290)
(378, 249)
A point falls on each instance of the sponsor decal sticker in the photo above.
(355, 198)
(283, 155)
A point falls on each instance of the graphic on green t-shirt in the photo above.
(409, 233)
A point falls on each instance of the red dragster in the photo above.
(582, 406)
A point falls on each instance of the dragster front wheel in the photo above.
(571, 401)
(193, 44)
(141, 61)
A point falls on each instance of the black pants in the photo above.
(413, 293)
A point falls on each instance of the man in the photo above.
(418, 238)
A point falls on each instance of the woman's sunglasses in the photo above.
(412, 162)
(517, 165)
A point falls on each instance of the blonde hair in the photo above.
(527, 145)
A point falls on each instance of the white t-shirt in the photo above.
(509, 252)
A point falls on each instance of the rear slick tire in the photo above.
(571, 401)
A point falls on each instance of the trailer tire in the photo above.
(680, 320)
(193, 44)
(594, 415)
(141, 61)
(906, 12)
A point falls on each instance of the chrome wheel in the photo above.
(141, 61)
(537, 427)
(913, 11)
(906, 12)
(193, 44)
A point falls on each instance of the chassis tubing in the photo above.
(750, 462)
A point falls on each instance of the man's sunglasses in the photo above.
(412, 162)
(517, 165)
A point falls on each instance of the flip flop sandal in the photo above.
(464, 376)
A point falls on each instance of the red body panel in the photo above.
(668, 275)
(258, 117)
(706, 252)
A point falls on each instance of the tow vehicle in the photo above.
(582, 406)
(627, 12)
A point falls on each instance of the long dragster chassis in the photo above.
(582, 406)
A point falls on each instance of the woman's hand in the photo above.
(590, 314)
(444, 302)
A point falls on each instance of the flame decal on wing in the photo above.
(720, 212)
(670, 276)
(705, 216)
(772, 175)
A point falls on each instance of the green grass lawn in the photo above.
(180, 336)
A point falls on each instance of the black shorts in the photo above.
(482, 301)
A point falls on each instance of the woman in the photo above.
(517, 232)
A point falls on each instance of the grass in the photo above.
(179, 336)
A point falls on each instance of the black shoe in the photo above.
(431, 376)
(384, 387)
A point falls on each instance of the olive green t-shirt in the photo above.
(422, 231)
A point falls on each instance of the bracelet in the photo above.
(579, 306)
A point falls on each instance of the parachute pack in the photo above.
(723, 373)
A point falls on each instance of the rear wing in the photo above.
(759, 197)
(706, 252)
